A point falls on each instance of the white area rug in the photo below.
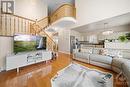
(76, 75)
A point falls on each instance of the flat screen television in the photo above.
(24, 43)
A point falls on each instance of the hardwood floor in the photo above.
(39, 75)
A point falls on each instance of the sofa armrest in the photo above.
(75, 51)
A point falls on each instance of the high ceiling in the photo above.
(112, 22)
(54, 4)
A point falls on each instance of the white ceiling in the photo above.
(54, 4)
(112, 22)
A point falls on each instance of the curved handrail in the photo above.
(65, 10)
(61, 7)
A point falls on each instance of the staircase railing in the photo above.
(65, 10)
(39, 27)
(51, 45)
(43, 23)
(13, 24)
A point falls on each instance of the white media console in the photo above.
(28, 58)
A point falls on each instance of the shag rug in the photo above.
(76, 75)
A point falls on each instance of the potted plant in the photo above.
(128, 36)
(123, 38)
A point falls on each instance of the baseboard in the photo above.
(64, 52)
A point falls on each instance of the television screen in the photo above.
(29, 43)
(40, 42)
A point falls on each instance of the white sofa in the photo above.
(92, 56)
(101, 60)
(82, 56)
(126, 71)
(117, 60)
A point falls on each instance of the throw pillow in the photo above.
(96, 51)
(103, 52)
(114, 53)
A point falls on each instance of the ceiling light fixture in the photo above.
(107, 32)
(105, 28)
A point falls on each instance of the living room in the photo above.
(65, 43)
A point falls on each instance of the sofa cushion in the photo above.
(126, 70)
(117, 62)
(82, 55)
(96, 50)
(101, 58)
(126, 54)
(108, 52)
(114, 53)
(78, 55)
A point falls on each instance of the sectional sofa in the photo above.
(113, 59)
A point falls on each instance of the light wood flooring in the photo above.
(39, 75)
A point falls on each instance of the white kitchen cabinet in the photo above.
(117, 45)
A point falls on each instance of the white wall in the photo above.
(33, 9)
(6, 48)
(89, 11)
(64, 39)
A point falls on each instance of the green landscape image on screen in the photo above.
(20, 46)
